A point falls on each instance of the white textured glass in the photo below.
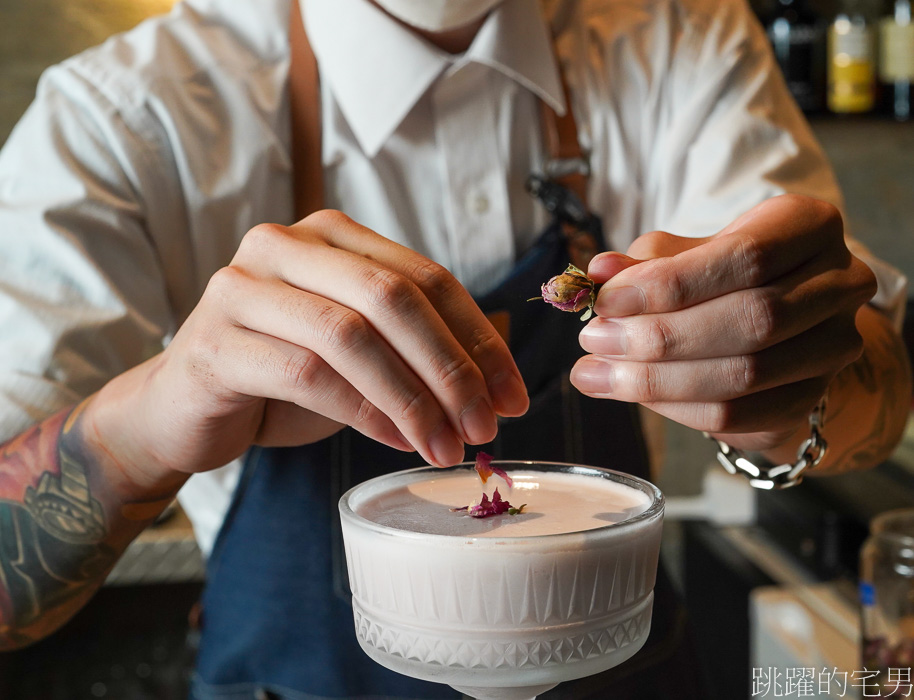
(501, 617)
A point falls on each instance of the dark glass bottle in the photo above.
(896, 60)
(797, 34)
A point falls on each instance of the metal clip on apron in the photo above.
(276, 612)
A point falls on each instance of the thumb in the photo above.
(605, 266)
(660, 244)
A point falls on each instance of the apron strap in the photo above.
(568, 167)
(305, 119)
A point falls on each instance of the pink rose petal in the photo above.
(495, 506)
(485, 469)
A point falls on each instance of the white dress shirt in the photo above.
(143, 162)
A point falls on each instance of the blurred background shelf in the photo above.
(134, 641)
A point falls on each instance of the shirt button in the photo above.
(479, 203)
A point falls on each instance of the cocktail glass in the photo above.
(501, 618)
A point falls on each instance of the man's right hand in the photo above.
(312, 327)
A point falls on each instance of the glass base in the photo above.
(528, 692)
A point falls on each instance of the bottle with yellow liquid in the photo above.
(851, 63)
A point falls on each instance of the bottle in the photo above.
(851, 62)
(887, 601)
(896, 60)
(797, 35)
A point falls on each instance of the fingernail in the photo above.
(445, 446)
(624, 301)
(591, 375)
(603, 337)
(478, 421)
(508, 394)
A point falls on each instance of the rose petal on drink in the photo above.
(496, 506)
(486, 508)
(485, 469)
(484, 466)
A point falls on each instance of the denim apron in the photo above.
(277, 619)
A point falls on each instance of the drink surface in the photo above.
(555, 503)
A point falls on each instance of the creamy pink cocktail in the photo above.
(509, 605)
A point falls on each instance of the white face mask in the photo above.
(437, 15)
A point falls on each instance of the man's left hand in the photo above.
(737, 334)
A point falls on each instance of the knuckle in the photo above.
(366, 413)
(202, 348)
(866, 281)
(433, 279)
(454, 373)
(299, 370)
(830, 216)
(328, 221)
(341, 329)
(658, 339)
(751, 261)
(759, 316)
(415, 407)
(650, 245)
(823, 218)
(262, 238)
(797, 202)
(390, 292)
(676, 290)
(744, 373)
(648, 380)
(484, 342)
(225, 283)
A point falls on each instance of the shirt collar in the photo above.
(377, 69)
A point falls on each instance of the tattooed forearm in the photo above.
(866, 422)
(52, 529)
(66, 514)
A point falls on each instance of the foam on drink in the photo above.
(556, 502)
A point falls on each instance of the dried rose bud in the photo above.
(571, 291)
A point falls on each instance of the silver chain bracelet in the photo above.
(782, 476)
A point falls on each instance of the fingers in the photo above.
(265, 366)
(737, 334)
(453, 304)
(820, 352)
(775, 238)
(393, 333)
(333, 361)
(605, 266)
(775, 411)
(414, 304)
(756, 422)
(743, 322)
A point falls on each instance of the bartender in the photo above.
(169, 309)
